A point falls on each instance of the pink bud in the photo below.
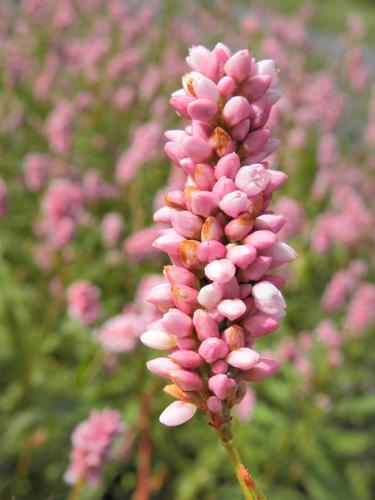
(230, 289)
(186, 224)
(180, 104)
(186, 343)
(260, 324)
(267, 67)
(243, 358)
(203, 203)
(184, 298)
(280, 253)
(227, 166)
(188, 253)
(239, 65)
(245, 290)
(278, 281)
(261, 239)
(214, 404)
(158, 339)
(209, 296)
(203, 110)
(221, 385)
(240, 131)
(213, 349)
(219, 366)
(223, 186)
(177, 413)
(276, 180)
(186, 359)
(239, 227)
(232, 308)
(163, 215)
(272, 222)
(162, 367)
(211, 229)
(187, 380)
(197, 149)
(234, 203)
(211, 250)
(204, 176)
(177, 275)
(177, 323)
(241, 255)
(236, 110)
(268, 298)
(205, 325)
(257, 269)
(252, 179)
(161, 296)
(226, 86)
(255, 87)
(234, 337)
(255, 141)
(263, 369)
(220, 271)
(205, 88)
(168, 242)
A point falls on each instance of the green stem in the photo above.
(250, 490)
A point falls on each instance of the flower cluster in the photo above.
(223, 239)
(93, 440)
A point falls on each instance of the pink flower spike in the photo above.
(268, 298)
(205, 325)
(241, 255)
(234, 203)
(232, 308)
(177, 413)
(212, 349)
(252, 179)
(221, 385)
(220, 271)
(243, 358)
(177, 323)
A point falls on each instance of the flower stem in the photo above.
(250, 490)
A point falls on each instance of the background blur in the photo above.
(84, 89)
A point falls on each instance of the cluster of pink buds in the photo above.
(93, 440)
(220, 296)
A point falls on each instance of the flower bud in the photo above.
(241, 255)
(220, 271)
(234, 203)
(222, 386)
(184, 298)
(261, 239)
(186, 224)
(252, 179)
(232, 308)
(243, 358)
(162, 367)
(158, 339)
(186, 359)
(268, 298)
(178, 323)
(187, 380)
(205, 325)
(227, 166)
(177, 413)
(236, 110)
(209, 296)
(211, 250)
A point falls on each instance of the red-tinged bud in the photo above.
(188, 252)
(222, 142)
(179, 276)
(177, 323)
(187, 380)
(212, 229)
(239, 227)
(184, 298)
(204, 176)
(234, 337)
